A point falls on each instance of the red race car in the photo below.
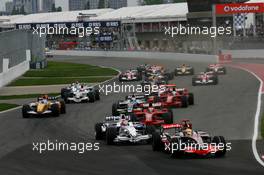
(181, 140)
(170, 96)
(216, 68)
(152, 115)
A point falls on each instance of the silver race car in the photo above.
(78, 93)
(130, 75)
(119, 129)
(205, 78)
(216, 68)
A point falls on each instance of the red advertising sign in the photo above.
(239, 8)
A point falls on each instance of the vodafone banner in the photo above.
(222, 9)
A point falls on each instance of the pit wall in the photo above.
(9, 74)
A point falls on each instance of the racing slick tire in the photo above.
(224, 70)
(91, 97)
(139, 77)
(65, 93)
(191, 99)
(176, 153)
(191, 71)
(150, 129)
(168, 117)
(25, 110)
(133, 117)
(97, 94)
(194, 81)
(157, 144)
(184, 101)
(98, 131)
(114, 109)
(215, 80)
(62, 107)
(111, 134)
(219, 140)
(55, 110)
(120, 78)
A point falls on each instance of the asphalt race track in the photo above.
(227, 109)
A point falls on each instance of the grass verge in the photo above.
(63, 69)
(55, 81)
(6, 106)
(11, 97)
(64, 73)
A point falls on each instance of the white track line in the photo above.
(257, 118)
(9, 110)
(106, 81)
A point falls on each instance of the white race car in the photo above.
(118, 129)
(130, 75)
(78, 93)
(205, 78)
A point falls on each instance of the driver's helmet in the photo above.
(45, 97)
(186, 125)
(188, 132)
(124, 122)
(183, 65)
(150, 108)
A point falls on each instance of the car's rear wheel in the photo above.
(91, 97)
(25, 110)
(191, 99)
(114, 109)
(63, 107)
(157, 144)
(98, 131)
(111, 134)
(97, 94)
(55, 110)
(219, 140)
(194, 81)
(184, 101)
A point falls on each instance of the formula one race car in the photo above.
(153, 114)
(131, 104)
(78, 92)
(130, 75)
(44, 106)
(184, 70)
(181, 140)
(171, 96)
(158, 71)
(205, 78)
(216, 68)
(119, 129)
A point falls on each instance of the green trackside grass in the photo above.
(64, 73)
(6, 106)
(55, 81)
(10, 97)
(62, 69)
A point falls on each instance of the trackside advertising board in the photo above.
(222, 9)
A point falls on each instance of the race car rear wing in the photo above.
(169, 126)
(116, 118)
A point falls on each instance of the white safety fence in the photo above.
(139, 54)
(9, 74)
